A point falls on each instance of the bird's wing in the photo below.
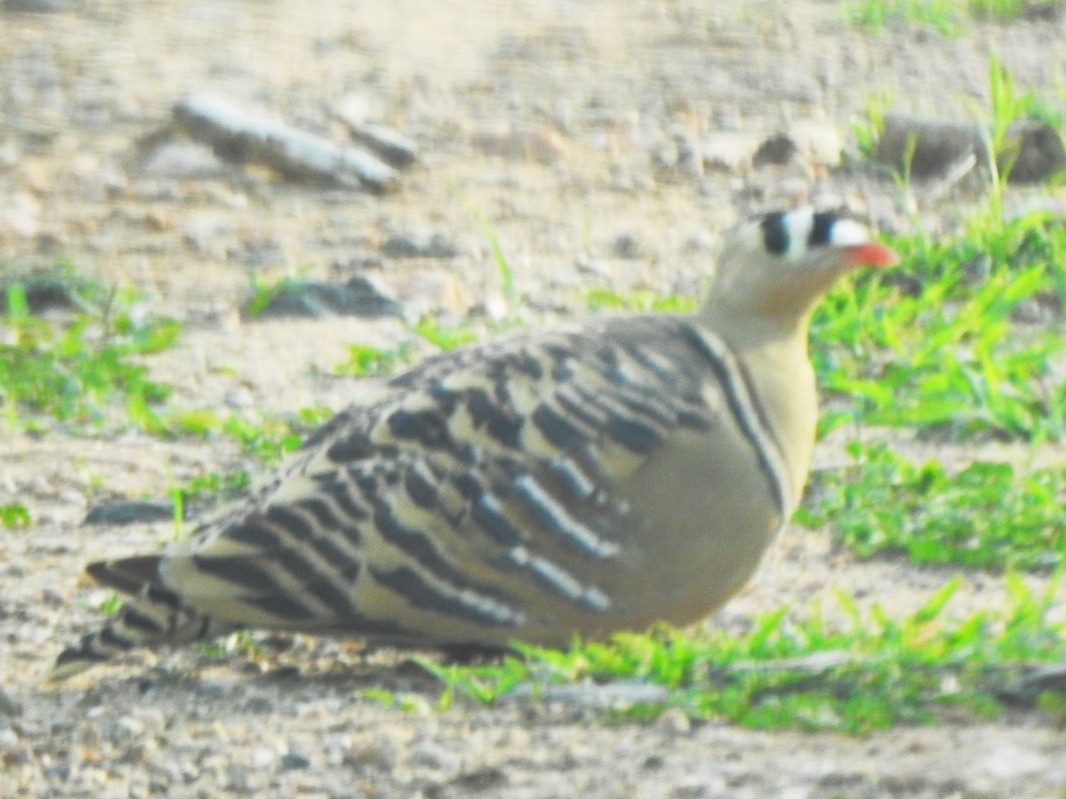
(462, 497)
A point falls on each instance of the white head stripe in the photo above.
(799, 224)
(847, 232)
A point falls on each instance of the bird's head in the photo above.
(774, 267)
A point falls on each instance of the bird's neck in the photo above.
(775, 356)
(746, 328)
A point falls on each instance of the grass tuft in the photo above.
(71, 372)
(936, 343)
(365, 360)
(869, 672)
(947, 17)
(985, 514)
(638, 301)
(943, 16)
(14, 514)
(445, 338)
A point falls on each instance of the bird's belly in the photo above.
(703, 532)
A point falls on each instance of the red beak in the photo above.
(870, 254)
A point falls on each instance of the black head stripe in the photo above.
(822, 229)
(775, 235)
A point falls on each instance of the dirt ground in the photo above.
(570, 126)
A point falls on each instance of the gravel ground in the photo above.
(578, 129)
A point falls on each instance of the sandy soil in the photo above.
(567, 125)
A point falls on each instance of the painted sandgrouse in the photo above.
(578, 479)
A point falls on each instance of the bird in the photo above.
(569, 481)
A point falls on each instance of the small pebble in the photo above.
(37, 6)
(130, 726)
(293, 761)
(1010, 761)
(392, 146)
(239, 398)
(181, 159)
(674, 721)
(626, 246)
(418, 244)
(129, 511)
(8, 705)
(728, 151)
(262, 757)
(427, 754)
(258, 704)
(778, 150)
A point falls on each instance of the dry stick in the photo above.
(588, 694)
(393, 147)
(636, 693)
(248, 136)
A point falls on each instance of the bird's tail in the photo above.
(151, 616)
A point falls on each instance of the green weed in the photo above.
(364, 360)
(985, 514)
(85, 372)
(268, 438)
(870, 672)
(73, 372)
(638, 301)
(400, 700)
(499, 257)
(445, 338)
(177, 513)
(263, 292)
(934, 344)
(1008, 106)
(1006, 10)
(14, 514)
(241, 641)
(945, 16)
(867, 129)
(214, 484)
(60, 287)
(110, 604)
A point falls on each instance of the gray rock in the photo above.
(728, 151)
(9, 706)
(392, 146)
(778, 150)
(180, 159)
(1038, 152)
(53, 289)
(626, 246)
(418, 244)
(206, 233)
(262, 253)
(818, 142)
(359, 296)
(292, 761)
(37, 6)
(130, 511)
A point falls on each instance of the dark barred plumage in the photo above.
(575, 480)
(775, 233)
(821, 229)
